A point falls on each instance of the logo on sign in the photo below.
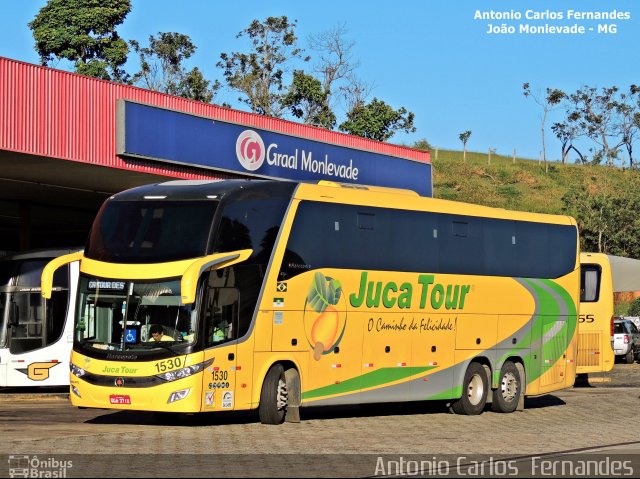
(250, 150)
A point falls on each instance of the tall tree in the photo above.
(335, 67)
(597, 114)
(628, 124)
(552, 98)
(464, 138)
(377, 121)
(162, 68)
(83, 32)
(259, 75)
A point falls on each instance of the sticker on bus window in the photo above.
(282, 287)
(131, 336)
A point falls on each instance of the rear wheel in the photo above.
(630, 356)
(475, 388)
(507, 396)
(273, 398)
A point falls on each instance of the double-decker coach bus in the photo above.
(36, 336)
(595, 321)
(237, 295)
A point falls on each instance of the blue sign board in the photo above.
(154, 133)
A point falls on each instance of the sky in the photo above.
(430, 56)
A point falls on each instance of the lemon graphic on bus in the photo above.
(324, 322)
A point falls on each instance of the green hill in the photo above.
(523, 185)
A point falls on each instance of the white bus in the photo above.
(36, 335)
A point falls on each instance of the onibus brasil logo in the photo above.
(321, 314)
(250, 150)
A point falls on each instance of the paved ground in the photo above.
(601, 417)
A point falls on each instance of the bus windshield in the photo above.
(119, 315)
(151, 231)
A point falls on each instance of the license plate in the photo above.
(119, 399)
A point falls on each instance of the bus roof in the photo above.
(329, 192)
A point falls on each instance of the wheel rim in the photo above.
(509, 387)
(282, 396)
(475, 390)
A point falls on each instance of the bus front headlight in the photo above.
(76, 371)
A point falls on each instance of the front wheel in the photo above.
(273, 398)
(507, 396)
(475, 388)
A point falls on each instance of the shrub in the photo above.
(634, 308)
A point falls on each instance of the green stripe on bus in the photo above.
(373, 379)
(453, 393)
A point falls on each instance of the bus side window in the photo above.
(589, 283)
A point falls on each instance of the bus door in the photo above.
(221, 309)
(38, 349)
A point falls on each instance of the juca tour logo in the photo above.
(250, 150)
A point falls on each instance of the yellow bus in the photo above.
(595, 321)
(273, 295)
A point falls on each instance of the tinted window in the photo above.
(251, 223)
(151, 231)
(619, 328)
(326, 235)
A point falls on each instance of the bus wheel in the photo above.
(474, 391)
(273, 398)
(506, 397)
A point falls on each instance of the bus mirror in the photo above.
(216, 261)
(46, 279)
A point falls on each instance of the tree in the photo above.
(634, 308)
(567, 133)
(422, 144)
(162, 69)
(596, 113)
(608, 220)
(464, 138)
(594, 213)
(83, 32)
(629, 119)
(308, 101)
(377, 121)
(259, 74)
(549, 102)
(335, 69)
